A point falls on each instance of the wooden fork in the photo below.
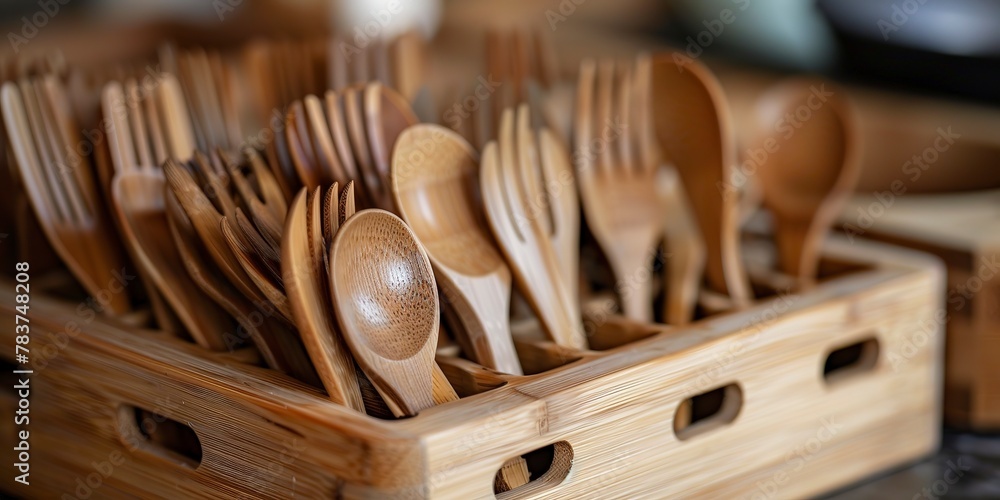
(618, 189)
(511, 199)
(64, 202)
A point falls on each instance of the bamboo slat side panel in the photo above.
(962, 229)
(610, 415)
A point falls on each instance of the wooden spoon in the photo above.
(810, 173)
(386, 302)
(303, 263)
(387, 305)
(387, 114)
(378, 193)
(694, 130)
(436, 195)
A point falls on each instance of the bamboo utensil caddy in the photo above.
(771, 413)
(963, 230)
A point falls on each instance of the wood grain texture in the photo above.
(434, 175)
(963, 229)
(610, 414)
(695, 132)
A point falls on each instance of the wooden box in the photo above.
(963, 229)
(798, 395)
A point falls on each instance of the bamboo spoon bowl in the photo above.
(435, 193)
(386, 302)
(694, 129)
(387, 115)
(809, 175)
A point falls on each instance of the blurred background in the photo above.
(913, 68)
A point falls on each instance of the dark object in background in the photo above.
(951, 46)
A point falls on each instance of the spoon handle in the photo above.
(798, 248)
(443, 391)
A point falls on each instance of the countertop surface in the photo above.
(966, 466)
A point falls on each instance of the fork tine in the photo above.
(68, 130)
(496, 195)
(177, 122)
(642, 126)
(536, 198)
(583, 122)
(63, 167)
(25, 153)
(560, 188)
(138, 128)
(623, 115)
(116, 125)
(154, 124)
(56, 188)
(605, 108)
(511, 177)
(265, 250)
(270, 190)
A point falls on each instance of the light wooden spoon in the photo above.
(304, 270)
(386, 302)
(387, 306)
(434, 183)
(694, 130)
(387, 114)
(810, 173)
(379, 194)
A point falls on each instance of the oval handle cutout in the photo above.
(708, 411)
(547, 467)
(851, 360)
(160, 436)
